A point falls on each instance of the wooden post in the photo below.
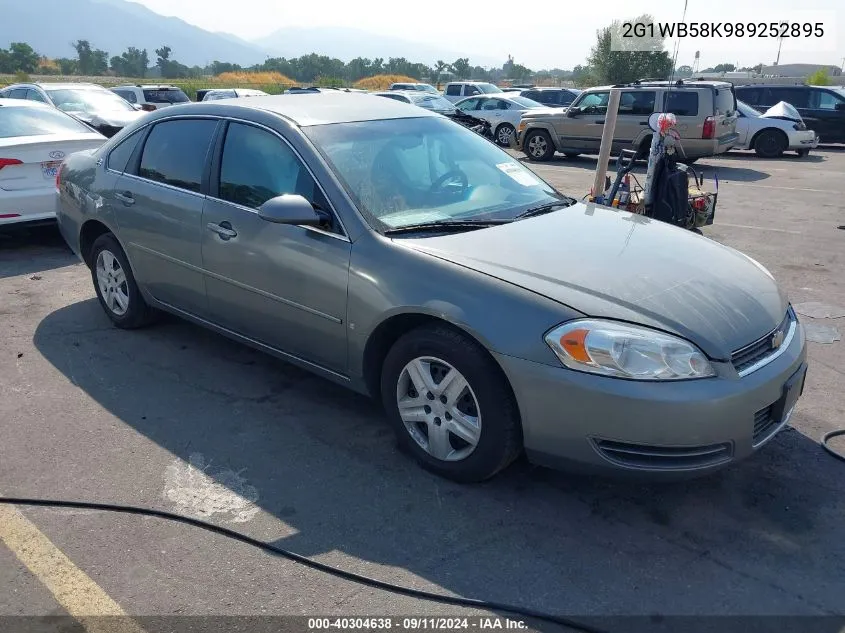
(606, 144)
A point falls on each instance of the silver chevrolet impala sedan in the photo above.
(393, 251)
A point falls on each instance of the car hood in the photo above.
(783, 110)
(539, 113)
(115, 118)
(612, 264)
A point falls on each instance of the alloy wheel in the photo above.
(537, 146)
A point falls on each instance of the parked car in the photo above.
(503, 112)
(457, 90)
(552, 97)
(821, 107)
(770, 134)
(402, 256)
(415, 86)
(152, 96)
(90, 103)
(34, 139)
(706, 113)
(426, 100)
(231, 93)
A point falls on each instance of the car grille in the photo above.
(764, 424)
(745, 358)
(664, 457)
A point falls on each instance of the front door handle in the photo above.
(224, 230)
(125, 197)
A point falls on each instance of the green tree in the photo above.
(5, 61)
(461, 67)
(218, 68)
(23, 58)
(819, 78)
(132, 62)
(724, 68)
(90, 61)
(163, 60)
(67, 66)
(638, 59)
(439, 67)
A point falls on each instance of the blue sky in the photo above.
(539, 34)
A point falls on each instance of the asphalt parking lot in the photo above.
(177, 418)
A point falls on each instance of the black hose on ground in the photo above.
(456, 601)
(826, 446)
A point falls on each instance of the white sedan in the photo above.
(770, 134)
(34, 139)
(503, 112)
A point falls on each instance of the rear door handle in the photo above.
(125, 197)
(224, 230)
(643, 122)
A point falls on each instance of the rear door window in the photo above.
(18, 93)
(637, 102)
(34, 95)
(469, 104)
(681, 102)
(120, 155)
(798, 97)
(175, 152)
(453, 90)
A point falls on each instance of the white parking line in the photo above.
(759, 228)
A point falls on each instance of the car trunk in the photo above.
(31, 162)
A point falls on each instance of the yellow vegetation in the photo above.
(382, 82)
(253, 78)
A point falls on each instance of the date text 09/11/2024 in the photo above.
(415, 623)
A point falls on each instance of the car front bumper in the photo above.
(584, 422)
(803, 139)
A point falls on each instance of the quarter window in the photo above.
(34, 95)
(120, 155)
(453, 90)
(681, 103)
(257, 165)
(175, 152)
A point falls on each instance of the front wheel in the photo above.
(504, 134)
(450, 404)
(115, 285)
(770, 144)
(538, 145)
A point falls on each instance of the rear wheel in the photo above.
(504, 134)
(115, 285)
(538, 145)
(450, 404)
(770, 143)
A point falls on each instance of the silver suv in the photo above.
(706, 112)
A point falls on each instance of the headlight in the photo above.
(626, 351)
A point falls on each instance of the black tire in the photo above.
(549, 146)
(803, 153)
(509, 129)
(770, 144)
(138, 313)
(500, 441)
(572, 154)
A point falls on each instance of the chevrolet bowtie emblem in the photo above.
(777, 339)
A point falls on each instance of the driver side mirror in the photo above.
(840, 106)
(289, 209)
(573, 111)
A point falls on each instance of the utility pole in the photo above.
(780, 43)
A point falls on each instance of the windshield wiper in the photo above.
(445, 225)
(546, 208)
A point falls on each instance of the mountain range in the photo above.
(51, 26)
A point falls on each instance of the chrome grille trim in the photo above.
(762, 361)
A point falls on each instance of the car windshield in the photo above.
(428, 88)
(488, 88)
(526, 103)
(433, 102)
(746, 110)
(82, 100)
(35, 121)
(403, 172)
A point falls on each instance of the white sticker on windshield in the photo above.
(519, 174)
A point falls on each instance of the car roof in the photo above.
(547, 88)
(148, 86)
(322, 108)
(54, 85)
(11, 103)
